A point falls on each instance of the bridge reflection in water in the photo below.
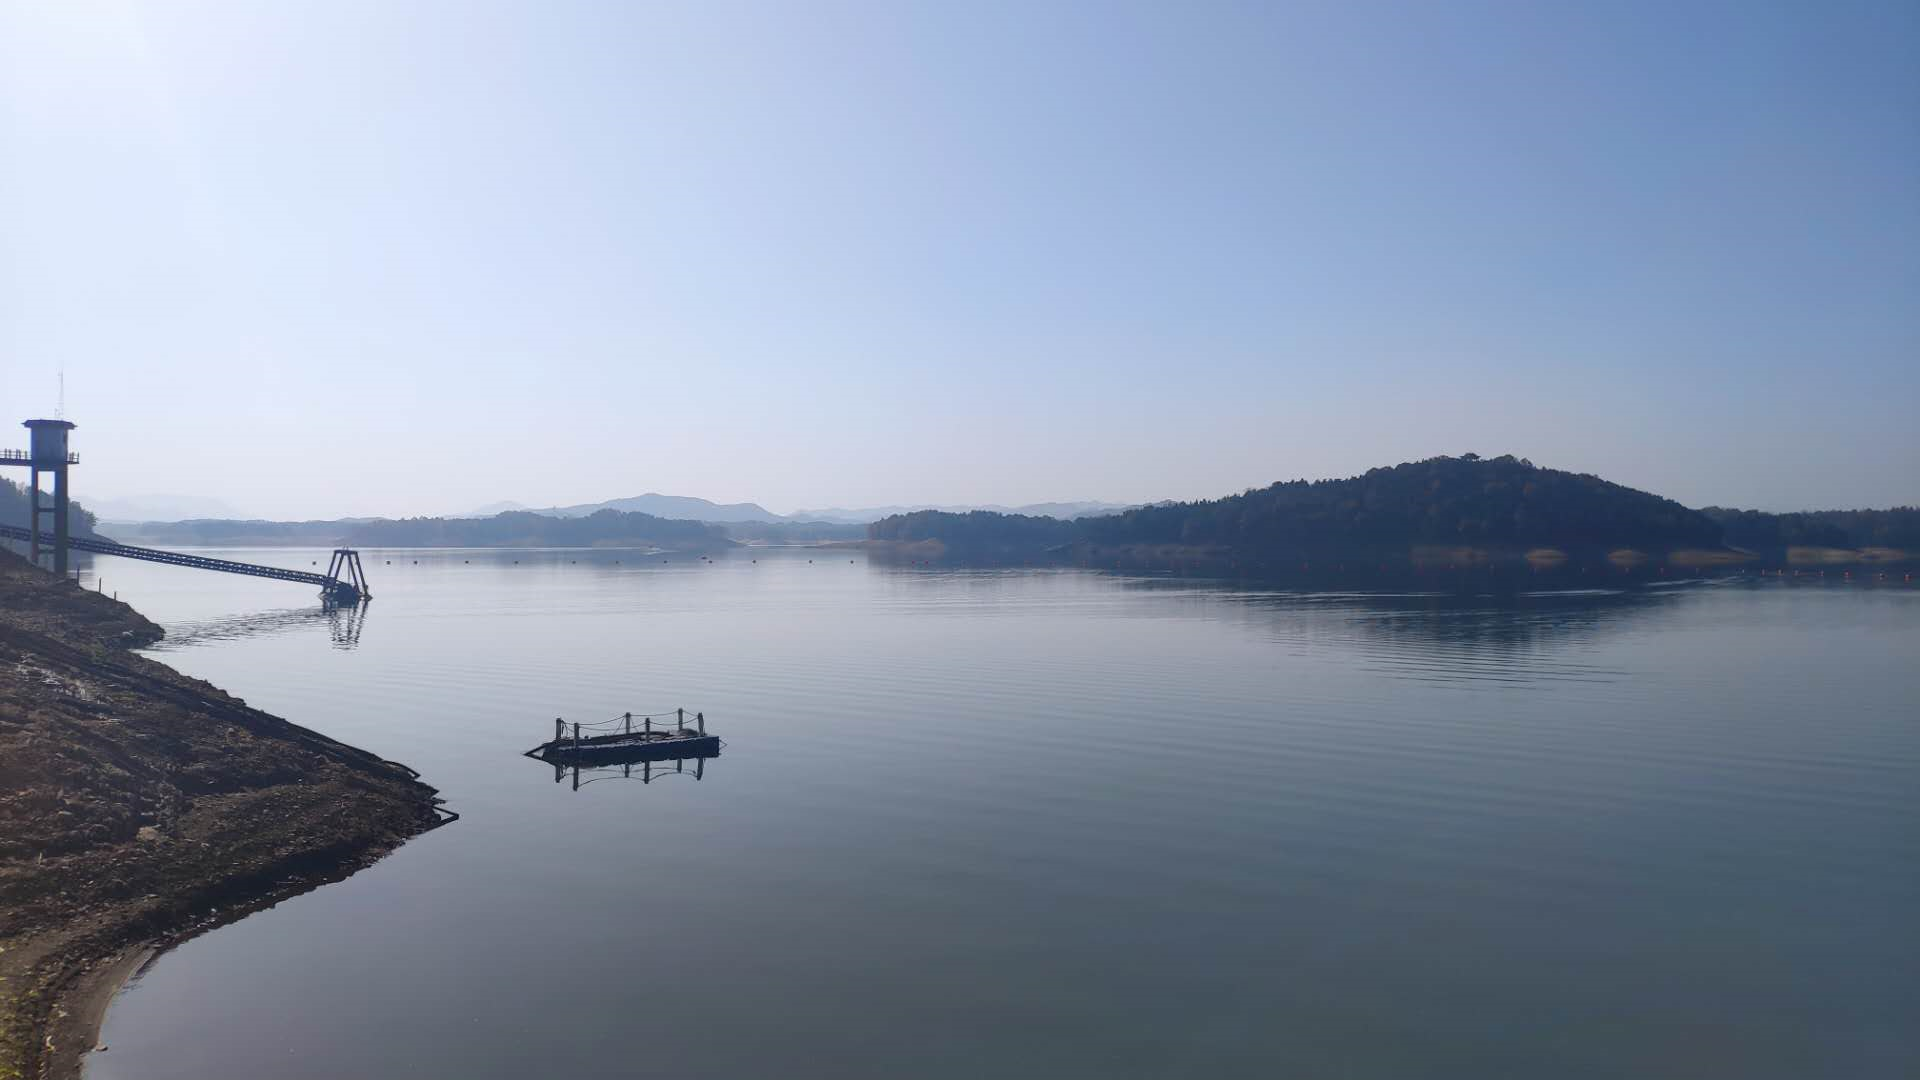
(344, 623)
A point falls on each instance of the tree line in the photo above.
(1503, 502)
(15, 509)
(1494, 503)
(604, 528)
(1757, 530)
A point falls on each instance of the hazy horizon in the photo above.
(352, 259)
(501, 505)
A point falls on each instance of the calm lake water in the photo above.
(1060, 824)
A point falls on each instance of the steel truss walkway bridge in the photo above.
(344, 582)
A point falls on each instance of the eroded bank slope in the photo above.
(139, 806)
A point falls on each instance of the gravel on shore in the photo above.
(139, 807)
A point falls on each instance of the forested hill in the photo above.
(1495, 503)
(605, 528)
(14, 510)
(1756, 530)
(978, 533)
(1503, 502)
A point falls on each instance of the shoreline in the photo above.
(140, 808)
(93, 992)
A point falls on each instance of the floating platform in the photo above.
(629, 738)
(624, 747)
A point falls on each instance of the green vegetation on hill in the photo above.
(978, 534)
(1503, 503)
(1756, 530)
(14, 510)
(227, 532)
(784, 533)
(606, 528)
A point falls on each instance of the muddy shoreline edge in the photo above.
(140, 807)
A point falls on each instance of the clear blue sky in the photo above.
(357, 258)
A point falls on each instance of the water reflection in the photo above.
(1478, 642)
(1462, 641)
(646, 770)
(344, 624)
(1488, 821)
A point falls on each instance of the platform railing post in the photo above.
(559, 730)
(648, 723)
(576, 741)
(701, 719)
(680, 719)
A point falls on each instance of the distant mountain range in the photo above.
(674, 507)
(687, 508)
(1065, 511)
(521, 528)
(160, 508)
(1444, 510)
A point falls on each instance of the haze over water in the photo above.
(1059, 823)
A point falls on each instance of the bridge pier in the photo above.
(348, 583)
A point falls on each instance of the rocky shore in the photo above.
(139, 807)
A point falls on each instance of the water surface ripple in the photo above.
(1043, 823)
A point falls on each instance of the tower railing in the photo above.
(24, 457)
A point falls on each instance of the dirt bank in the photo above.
(139, 807)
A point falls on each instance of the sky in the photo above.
(341, 258)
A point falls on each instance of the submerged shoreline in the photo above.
(140, 807)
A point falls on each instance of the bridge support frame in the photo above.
(347, 581)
